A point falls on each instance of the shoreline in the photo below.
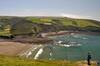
(68, 32)
(29, 51)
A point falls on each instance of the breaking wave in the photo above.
(38, 53)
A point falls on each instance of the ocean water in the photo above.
(89, 43)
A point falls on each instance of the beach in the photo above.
(12, 48)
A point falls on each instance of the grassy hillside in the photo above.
(16, 61)
(34, 25)
(64, 21)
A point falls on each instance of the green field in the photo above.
(64, 21)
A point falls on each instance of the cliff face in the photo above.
(35, 25)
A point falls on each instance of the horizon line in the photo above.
(45, 16)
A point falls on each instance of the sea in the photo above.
(87, 43)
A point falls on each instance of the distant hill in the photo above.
(12, 25)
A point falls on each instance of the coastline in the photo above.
(28, 48)
(68, 32)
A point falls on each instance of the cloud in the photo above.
(79, 16)
(73, 16)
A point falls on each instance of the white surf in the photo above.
(38, 53)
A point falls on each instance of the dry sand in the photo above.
(12, 48)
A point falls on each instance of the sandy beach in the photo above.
(13, 48)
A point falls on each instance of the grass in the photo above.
(17, 61)
(85, 23)
(5, 33)
(64, 21)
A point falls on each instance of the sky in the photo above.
(67, 8)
